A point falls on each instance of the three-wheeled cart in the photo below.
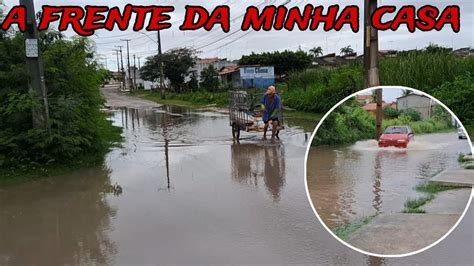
(244, 113)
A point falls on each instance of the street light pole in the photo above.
(371, 60)
(36, 82)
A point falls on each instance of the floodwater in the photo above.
(351, 182)
(180, 191)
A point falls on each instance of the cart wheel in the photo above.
(235, 131)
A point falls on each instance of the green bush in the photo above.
(324, 88)
(73, 78)
(420, 127)
(390, 112)
(347, 124)
(458, 95)
(414, 115)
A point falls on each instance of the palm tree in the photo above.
(316, 51)
(347, 50)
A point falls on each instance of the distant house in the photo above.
(423, 104)
(254, 76)
(364, 99)
(333, 60)
(203, 63)
(138, 81)
(372, 107)
(230, 75)
(464, 52)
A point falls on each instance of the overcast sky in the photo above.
(239, 43)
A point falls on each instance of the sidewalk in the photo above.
(400, 233)
(458, 177)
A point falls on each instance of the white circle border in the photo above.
(306, 173)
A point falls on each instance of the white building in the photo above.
(423, 104)
(217, 63)
(138, 81)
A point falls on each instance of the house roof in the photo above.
(412, 94)
(364, 97)
(208, 60)
(228, 69)
(373, 106)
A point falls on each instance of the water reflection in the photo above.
(60, 220)
(252, 162)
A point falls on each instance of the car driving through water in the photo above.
(396, 136)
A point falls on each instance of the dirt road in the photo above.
(116, 99)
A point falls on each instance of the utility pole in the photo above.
(139, 66)
(371, 60)
(121, 63)
(36, 83)
(106, 63)
(128, 64)
(118, 60)
(160, 62)
(134, 71)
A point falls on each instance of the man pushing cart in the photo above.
(271, 105)
(254, 112)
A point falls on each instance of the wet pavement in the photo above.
(351, 182)
(179, 190)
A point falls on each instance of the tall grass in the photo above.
(322, 88)
(423, 70)
(420, 127)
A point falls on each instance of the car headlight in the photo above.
(402, 140)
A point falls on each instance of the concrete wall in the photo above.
(420, 103)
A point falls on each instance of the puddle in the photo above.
(178, 191)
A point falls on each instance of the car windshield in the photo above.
(396, 130)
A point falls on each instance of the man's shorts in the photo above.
(271, 119)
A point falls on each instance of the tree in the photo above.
(73, 78)
(193, 83)
(176, 66)
(347, 50)
(316, 51)
(209, 78)
(284, 62)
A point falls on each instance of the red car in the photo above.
(396, 136)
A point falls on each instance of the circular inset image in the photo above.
(388, 171)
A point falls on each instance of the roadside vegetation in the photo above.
(430, 189)
(79, 133)
(349, 123)
(344, 231)
(434, 70)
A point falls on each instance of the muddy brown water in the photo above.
(347, 183)
(189, 194)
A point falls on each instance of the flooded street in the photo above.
(351, 182)
(180, 191)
